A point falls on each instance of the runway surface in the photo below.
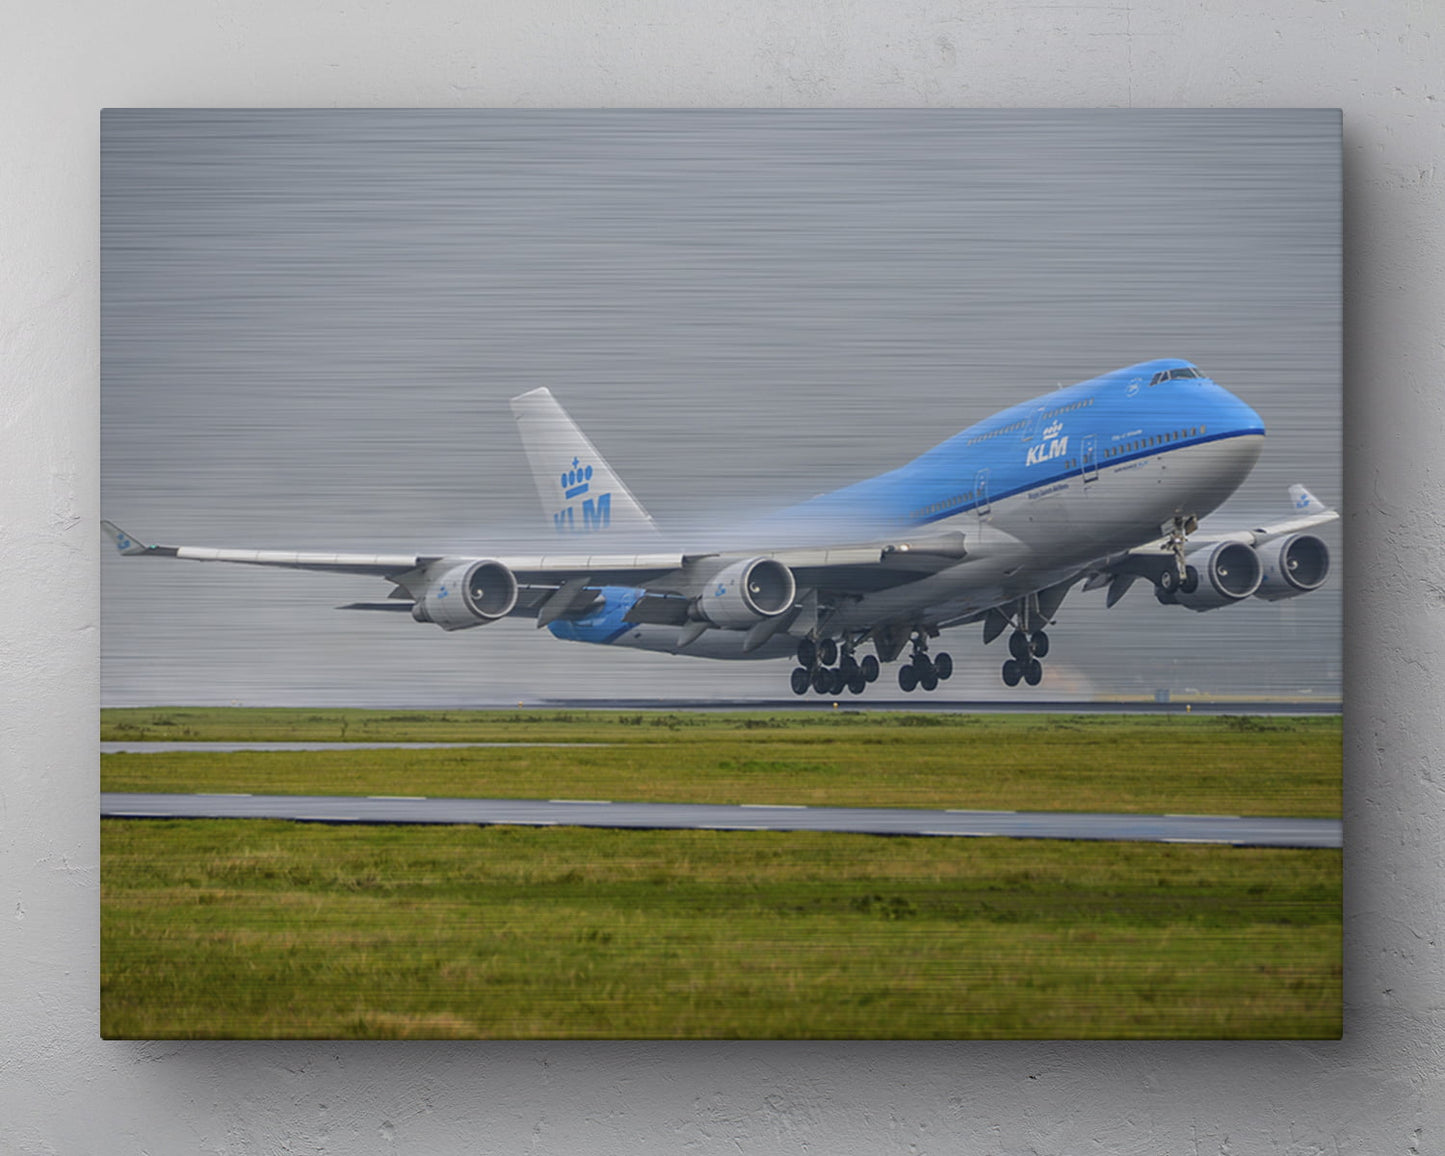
(932, 704)
(1253, 832)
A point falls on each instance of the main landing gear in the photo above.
(815, 668)
(1023, 664)
(923, 671)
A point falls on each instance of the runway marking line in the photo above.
(397, 798)
(584, 802)
(772, 806)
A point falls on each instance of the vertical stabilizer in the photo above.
(580, 492)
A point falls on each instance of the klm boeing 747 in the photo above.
(1101, 485)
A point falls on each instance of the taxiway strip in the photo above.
(1254, 832)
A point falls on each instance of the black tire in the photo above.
(943, 666)
(840, 680)
(1040, 642)
(1012, 672)
(929, 681)
(907, 679)
(857, 684)
(807, 653)
(924, 666)
(1033, 672)
(822, 679)
(801, 680)
(1018, 645)
(827, 652)
(1168, 580)
(848, 665)
(870, 668)
(1191, 581)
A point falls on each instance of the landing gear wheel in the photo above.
(869, 667)
(807, 653)
(1018, 645)
(827, 652)
(943, 666)
(1168, 580)
(840, 680)
(822, 680)
(857, 684)
(801, 680)
(1033, 672)
(1191, 581)
(849, 666)
(907, 678)
(928, 681)
(1040, 644)
(1012, 672)
(924, 665)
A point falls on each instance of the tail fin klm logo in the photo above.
(596, 511)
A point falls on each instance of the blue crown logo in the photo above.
(596, 512)
(575, 481)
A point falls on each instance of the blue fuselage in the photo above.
(1125, 417)
(1038, 490)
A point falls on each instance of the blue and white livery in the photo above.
(1102, 484)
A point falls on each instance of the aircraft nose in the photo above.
(1237, 415)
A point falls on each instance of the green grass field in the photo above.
(1145, 764)
(259, 929)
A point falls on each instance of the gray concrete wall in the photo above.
(1379, 1090)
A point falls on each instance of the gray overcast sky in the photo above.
(312, 322)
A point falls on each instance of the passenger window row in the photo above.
(1151, 442)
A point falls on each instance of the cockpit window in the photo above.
(1174, 375)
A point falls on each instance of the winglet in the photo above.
(123, 541)
(580, 492)
(1305, 503)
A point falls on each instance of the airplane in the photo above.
(1101, 484)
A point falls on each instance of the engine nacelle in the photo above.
(1218, 576)
(1293, 566)
(746, 593)
(471, 594)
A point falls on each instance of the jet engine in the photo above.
(746, 593)
(1292, 566)
(471, 594)
(1217, 576)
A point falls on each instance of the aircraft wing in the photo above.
(1311, 514)
(1155, 559)
(552, 586)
